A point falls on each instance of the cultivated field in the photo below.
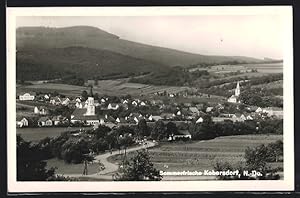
(202, 155)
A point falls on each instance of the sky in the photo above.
(256, 36)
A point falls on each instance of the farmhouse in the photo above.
(22, 123)
(27, 96)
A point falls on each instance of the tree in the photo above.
(84, 95)
(30, 164)
(142, 128)
(138, 168)
(159, 130)
(256, 159)
(171, 129)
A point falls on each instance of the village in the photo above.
(91, 110)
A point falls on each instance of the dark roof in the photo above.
(182, 132)
(44, 119)
(79, 115)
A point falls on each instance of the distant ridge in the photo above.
(92, 37)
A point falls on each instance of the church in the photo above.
(235, 98)
(86, 115)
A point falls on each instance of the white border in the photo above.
(282, 185)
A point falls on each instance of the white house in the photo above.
(181, 134)
(26, 96)
(258, 110)
(36, 110)
(46, 97)
(209, 109)
(200, 120)
(233, 99)
(65, 101)
(143, 103)
(22, 123)
(135, 103)
(113, 106)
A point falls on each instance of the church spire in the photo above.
(237, 89)
(91, 91)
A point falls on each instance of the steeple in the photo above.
(91, 91)
(237, 89)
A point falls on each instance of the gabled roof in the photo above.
(44, 119)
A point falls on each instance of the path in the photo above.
(110, 168)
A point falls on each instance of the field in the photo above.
(263, 68)
(36, 134)
(266, 68)
(109, 87)
(202, 155)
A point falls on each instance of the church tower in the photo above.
(237, 89)
(90, 107)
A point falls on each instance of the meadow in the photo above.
(36, 134)
(202, 155)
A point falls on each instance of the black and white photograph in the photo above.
(145, 98)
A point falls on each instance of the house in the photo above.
(58, 120)
(45, 121)
(121, 121)
(258, 110)
(36, 110)
(194, 111)
(199, 120)
(178, 113)
(125, 101)
(78, 99)
(143, 103)
(79, 105)
(167, 116)
(55, 100)
(22, 123)
(181, 134)
(41, 110)
(96, 102)
(155, 118)
(113, 106)
(219, 106)
(27, 96)
(233, 99)
(135, 103)
(46, 97)
(66, 101)
(209, 109)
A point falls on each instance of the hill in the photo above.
(91, 37)
(86, 63)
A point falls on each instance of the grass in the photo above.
(201, 155)
(36, 134)
(64, 168)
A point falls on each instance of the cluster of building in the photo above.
(85, 111)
